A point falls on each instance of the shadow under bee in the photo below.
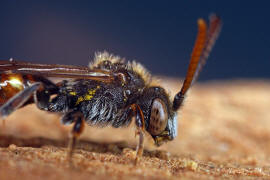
(116, 148)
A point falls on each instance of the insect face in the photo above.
(160, 119)
(169, 133)
(162, 127)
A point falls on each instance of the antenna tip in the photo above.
(201, 23)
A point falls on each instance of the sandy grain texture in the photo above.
(224, 132)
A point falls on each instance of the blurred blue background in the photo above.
(159, 34)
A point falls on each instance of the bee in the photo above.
(108, 92)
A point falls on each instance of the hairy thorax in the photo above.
(102, 103)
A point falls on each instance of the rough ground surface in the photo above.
(224, 132)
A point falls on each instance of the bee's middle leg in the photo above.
(78, 118)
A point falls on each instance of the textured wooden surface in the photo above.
(224, 131)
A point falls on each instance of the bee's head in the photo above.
(160, 119)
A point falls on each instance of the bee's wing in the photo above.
(54, 70)
(205, 40)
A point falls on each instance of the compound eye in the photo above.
(159, 117)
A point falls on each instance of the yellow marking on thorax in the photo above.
(80, 99)
(86, 97)
(72, 93)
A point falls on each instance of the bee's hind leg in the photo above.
(79, 123)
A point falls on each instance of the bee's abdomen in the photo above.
(10, 84)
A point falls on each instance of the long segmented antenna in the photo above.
(203, 45)
(213, 33)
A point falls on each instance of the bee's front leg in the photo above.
(139, 121)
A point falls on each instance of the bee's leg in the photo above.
(139, 120)
(18, 100)
(78, 118)
(140, 146)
